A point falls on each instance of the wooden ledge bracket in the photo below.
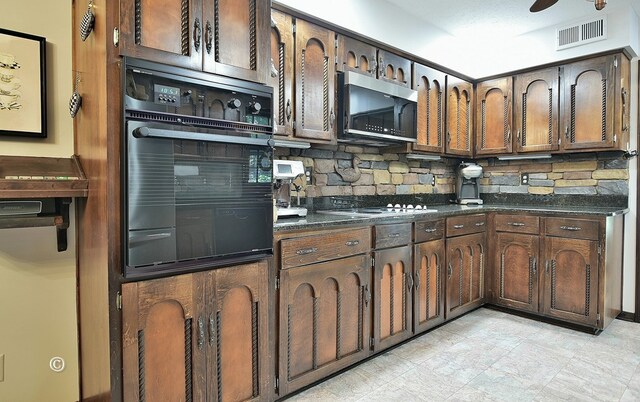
(62, 222)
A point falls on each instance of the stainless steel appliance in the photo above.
(198, 170)
(284, 173)
(375, 112)
(467, 184)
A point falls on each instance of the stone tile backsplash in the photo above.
(346, 170)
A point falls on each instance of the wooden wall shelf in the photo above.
(42, 178)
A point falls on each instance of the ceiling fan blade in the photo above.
(540, 5)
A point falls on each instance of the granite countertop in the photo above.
(316, 220)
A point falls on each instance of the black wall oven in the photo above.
(198, 170)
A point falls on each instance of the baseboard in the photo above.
(626, 316)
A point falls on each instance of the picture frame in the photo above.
(23, 89)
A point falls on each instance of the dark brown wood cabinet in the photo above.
(167, 32)
(219, 36)
(494, 110)
(459, 118)
(394, 68)
(516, 259)
(465, 273)
(536, 100)
(571, 280)
(325, 311)
(355, 55)
(201, 336)
(315, 114)
(281, 72)
(429, 292)
(431, 87)
(592, 104)
(393, 286)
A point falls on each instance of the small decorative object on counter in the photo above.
(87, 22)
(76, 100)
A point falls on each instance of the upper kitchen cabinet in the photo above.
(315, 117)
(394, 68)
(493, 116)
(235, 38)
(168, 32)
(281, 72)
(354, 55)
(431, 86)
(536, 103)
(218, 36)
(459, 118)
(595, 103)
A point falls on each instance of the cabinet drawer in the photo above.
(324, 247)
(393, 235)
(429, 230)
(461, 225)
(518, 224)
(573, 228)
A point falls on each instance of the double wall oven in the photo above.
(197, 174)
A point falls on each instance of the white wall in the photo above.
(37, 283)
(629, 278)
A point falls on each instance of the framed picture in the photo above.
(23, 109)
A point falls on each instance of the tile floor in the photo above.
(489, 355)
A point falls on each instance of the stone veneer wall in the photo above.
(587, 174)
(381, 173)
(389, 173)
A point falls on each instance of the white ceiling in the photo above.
(508, 18)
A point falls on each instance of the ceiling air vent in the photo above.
(581, 33)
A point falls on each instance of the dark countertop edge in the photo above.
(317, 221)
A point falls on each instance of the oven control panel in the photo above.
(166, 95)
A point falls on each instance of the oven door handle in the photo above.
(135, 240)
(148, 132)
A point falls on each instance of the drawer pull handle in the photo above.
(431, 230)
(458, 226)
(352, 243)
(480, 224)
(393, 235)
(571, 228)
(515, 223)
(305, 251)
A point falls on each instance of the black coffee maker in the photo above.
(467, 183)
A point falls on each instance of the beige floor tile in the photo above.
(489, 355)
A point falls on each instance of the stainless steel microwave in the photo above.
(375, 112)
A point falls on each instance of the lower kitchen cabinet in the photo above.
(428, 300)
(201, 336)
(571, 280)
(516, 259)
(466, 257)
(325, 311)
(393, 286)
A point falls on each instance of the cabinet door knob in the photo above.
(458, 226)
(208, 38)
(430, 230)
(197, 34)
(449, 271)
(200, 332)
(419, 271)
(288, 110)
(352, 243)
(409, 281)
(305, 251)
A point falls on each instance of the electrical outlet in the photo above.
(524, 178)
(308, 173)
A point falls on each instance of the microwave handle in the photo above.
(148, 132)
